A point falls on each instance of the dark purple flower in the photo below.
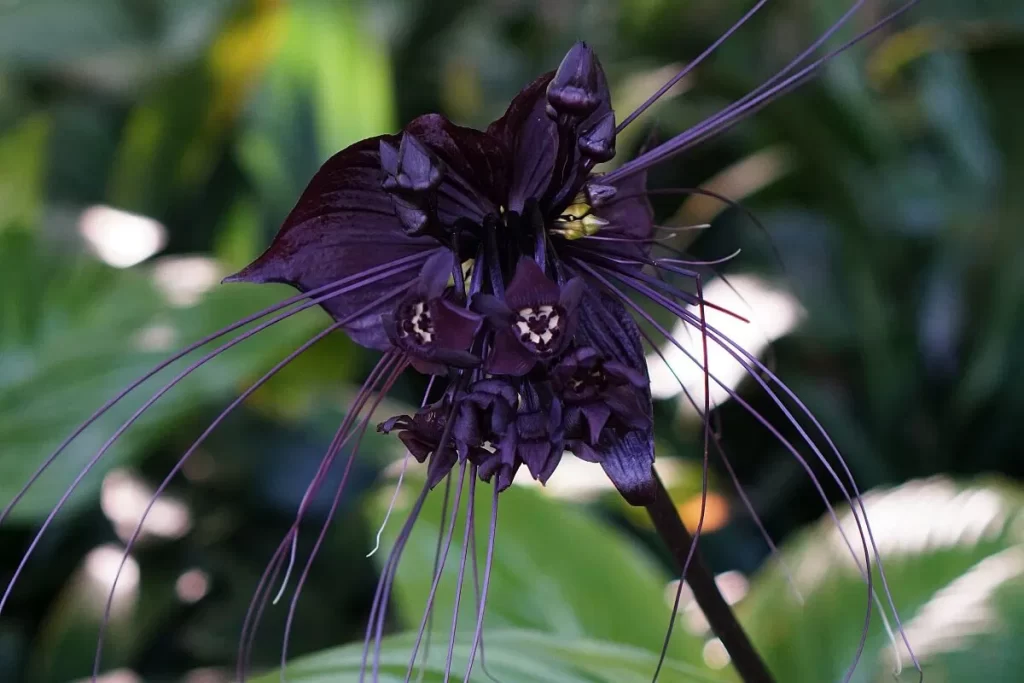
(503, 264)
(599, 394)
(533, 322)
(434, 331)
(540, 432)
(484, 430)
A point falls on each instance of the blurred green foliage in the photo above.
(892, 197)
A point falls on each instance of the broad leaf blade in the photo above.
(511, 655)
(954, 558)
(556, 569)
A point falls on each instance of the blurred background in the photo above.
(149, 147)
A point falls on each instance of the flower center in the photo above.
(539, 328)
(586, 383)
(417, 322)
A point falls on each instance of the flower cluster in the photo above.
(539, 357)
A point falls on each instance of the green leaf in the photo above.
(328, 86)
(107, 43)
(73, 334)
(555, 569)
(22, 170)
(954, 558)
(511, 655)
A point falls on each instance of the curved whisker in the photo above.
(177, 467)
(399, 265)
(438, 544)
(658, 283)
(690, 66)
(693, 262)
(396, 369)
(440, 570)
(401, 478)
(257, 605)
(138, 413)
(460, 579)
(754, 368)
(383, 591)
(750, 103)
(737, 485)
(628, 240)
(375, 623)
(482, 602)
(261, 595)
(676, 228)
(773, 431)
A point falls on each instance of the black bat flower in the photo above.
(502, 264)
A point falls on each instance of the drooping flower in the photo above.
(502, 264)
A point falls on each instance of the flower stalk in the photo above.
(673, 532)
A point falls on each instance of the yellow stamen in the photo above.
(578, 221)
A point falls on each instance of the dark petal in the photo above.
(440, 465)
(467, 426)
(343, 224)
(454, 326)
(555, 423)
(597, 417)
(390, 327)
(623, 372)
(606, 326)
(581, 357)
(532, 139)
(435, 358)
(629, 214)
(428, 367)
(502, 463)
(419, 449)
(530, 287)
(487, 466)
(412, 168)
(535, 455)
(414, 218)
(476, 181)
(583, 450)
(535, 140)
(628, 407)
(598, 195)
(509, 444)
(627, 459)
(502, 414)
(388, 160)
(564, 371)
(497, 387)
(629, 463)
(434, 276)
(598, 142)
(533, 426)
(571, 293)
(492, 307)
(506, 475)
(549, 468)
(578, 85)
(452, 358)
(389, 424)
(508, 357)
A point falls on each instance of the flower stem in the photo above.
(701, 581)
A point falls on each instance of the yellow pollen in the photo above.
(467, 269)
(578, 221)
